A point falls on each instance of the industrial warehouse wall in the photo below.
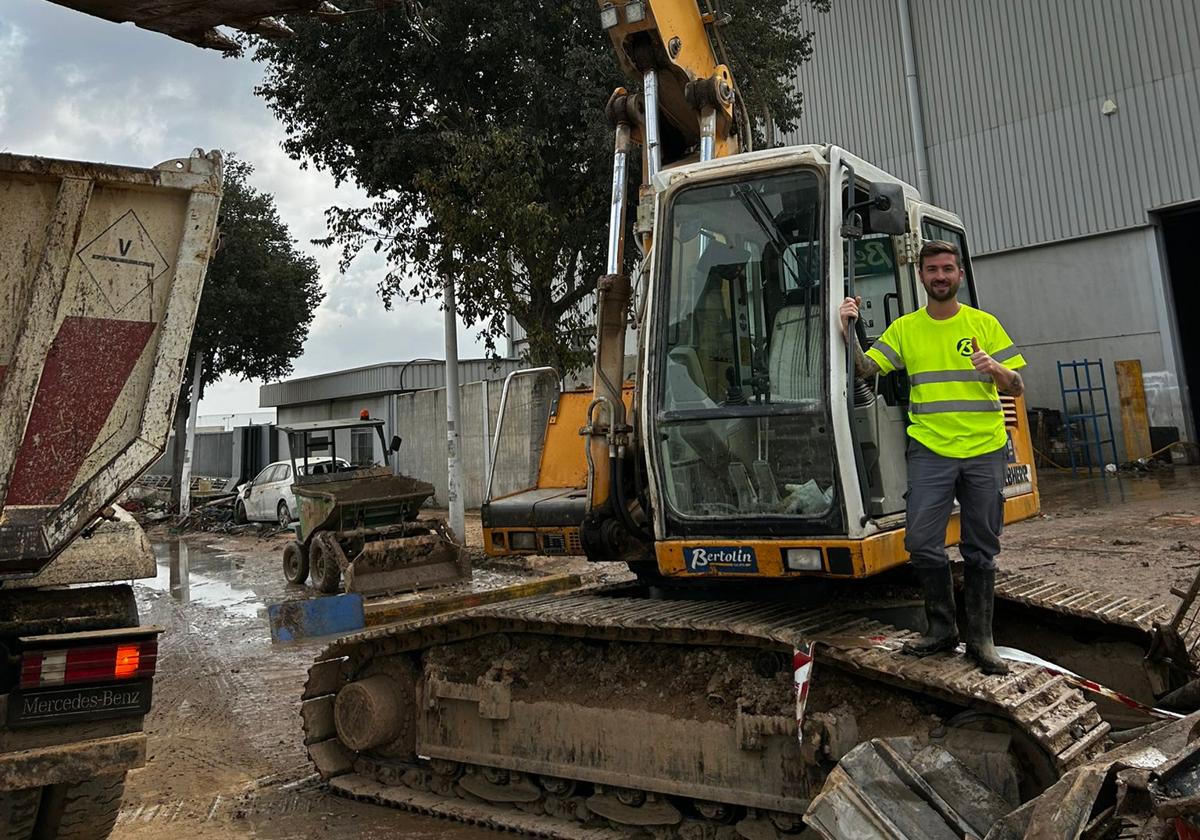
(1055, 130)
(1012, 94)
(1093, 298)
(213, 457)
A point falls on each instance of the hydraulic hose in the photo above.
(617, 475)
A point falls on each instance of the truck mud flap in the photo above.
(92, 608)
(73, 762)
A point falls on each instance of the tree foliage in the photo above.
(260, 292)
(478, 133)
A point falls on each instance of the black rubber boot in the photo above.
(979, 588)
(942, 632)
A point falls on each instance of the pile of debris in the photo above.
(148, 504)
(1146, 788)
(217, 516)
(898, 789)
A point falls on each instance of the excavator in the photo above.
(745, 432)
(756, 490)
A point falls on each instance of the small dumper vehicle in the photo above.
(361, 521)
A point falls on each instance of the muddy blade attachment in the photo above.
(898, 789)
(409, 563)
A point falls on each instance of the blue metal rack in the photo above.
(1083, 425)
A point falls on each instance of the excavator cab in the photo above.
(752, 450)
(738, 409)
(764, 455)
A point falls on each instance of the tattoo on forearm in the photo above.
(864, 366)
(1015, 386)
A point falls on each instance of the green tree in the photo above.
(259, 298)
(478, 133)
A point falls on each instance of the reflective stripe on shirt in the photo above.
(889, 354)
(1007, 353)
(942, 406)
(929, 377)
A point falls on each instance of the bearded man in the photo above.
(959, 360)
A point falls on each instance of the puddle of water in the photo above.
(201, 574)
(1061, 491)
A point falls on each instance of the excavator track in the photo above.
(1090, 631)
(460, 752)
(1092, 604)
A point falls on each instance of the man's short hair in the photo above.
(938, 246)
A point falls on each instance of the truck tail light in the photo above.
(92, 664)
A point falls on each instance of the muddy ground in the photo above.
(1139, 535)
(225, 753)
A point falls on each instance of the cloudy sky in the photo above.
(74, 86)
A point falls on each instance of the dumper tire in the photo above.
(18, 813)
(84, 810)
(323, 560)
(295, 562)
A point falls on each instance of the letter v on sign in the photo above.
(123, 245)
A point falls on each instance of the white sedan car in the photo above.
(268, 497)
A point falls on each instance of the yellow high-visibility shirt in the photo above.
(955, 410)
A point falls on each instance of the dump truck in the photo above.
(101, 272)
(361, 522)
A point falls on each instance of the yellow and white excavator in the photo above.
(744, 447)
(700, 702)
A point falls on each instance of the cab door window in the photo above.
(877, 282)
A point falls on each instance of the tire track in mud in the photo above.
(224, 725)
(299, 791)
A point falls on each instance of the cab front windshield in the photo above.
(743, 425)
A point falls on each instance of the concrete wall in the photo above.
(1097, 298)
(213, 457)
(420, 420)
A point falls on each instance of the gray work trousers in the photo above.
(934, 482)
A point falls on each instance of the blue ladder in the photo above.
(1081, 446)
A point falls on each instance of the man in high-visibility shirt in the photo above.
(958, 359)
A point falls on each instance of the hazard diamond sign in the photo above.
(124, 262)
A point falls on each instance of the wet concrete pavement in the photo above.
(226, 757)
(1138, 534)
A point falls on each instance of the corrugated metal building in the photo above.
(1065, 136)
(375, 388)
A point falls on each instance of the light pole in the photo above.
(454, 466)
